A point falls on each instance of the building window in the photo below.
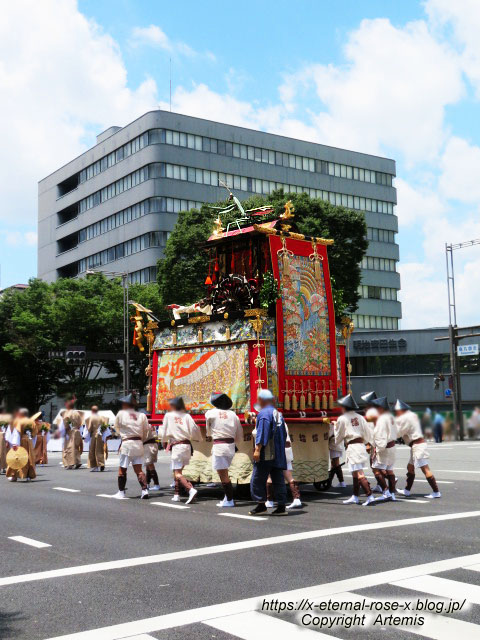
(362, 321)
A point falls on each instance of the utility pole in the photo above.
(453, 335)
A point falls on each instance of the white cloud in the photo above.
(19, 238)
(390, 94)
(154, 36)
(460, 165)
(416, 205)
(463, 18)
(61, 78)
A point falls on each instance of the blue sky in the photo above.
(400, 79)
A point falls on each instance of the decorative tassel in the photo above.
(294, 398)
(174, 337)
(200, 335)
(330, 396)
(232, 263)
(208, 279)
(317, 398)
(309, 397)
(324, 399)
(316, 259)
(302, 399)
(227, 333)
(286, 400)
(284, 254)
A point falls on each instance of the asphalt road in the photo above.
(144, 569)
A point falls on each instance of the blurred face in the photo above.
(399, 412)
(264, 402)
(69, 404)
(126, 406)
(94, 409)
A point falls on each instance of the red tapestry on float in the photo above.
(306, 346)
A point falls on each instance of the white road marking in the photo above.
(233, 546)
(416, 478)
(253, 625)
(406, 499)
(239, 515)
(171, 506)
(142, 636)
(454, 471)
(436, 627)
(474, 567)
(442, 587)
(110, 495)
(315, 592)
(65, 489)
(30, 542)
(331, 493)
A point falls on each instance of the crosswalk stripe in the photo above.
(442, 587)
(253, 625)
(315, 592)
(170, 506)
(435, 627)
(473, 567)
(109, 495)
(65, 489)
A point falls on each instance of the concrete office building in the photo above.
(113, 207)
(404, 364)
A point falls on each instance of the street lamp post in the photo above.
(126, 344)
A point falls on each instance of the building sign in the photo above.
(467, 350)
(380, 345)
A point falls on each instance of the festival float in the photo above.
(267, 321)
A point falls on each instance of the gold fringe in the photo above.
(286, 402)
(200, 335)
(317, 402)
(309, 398)
(227, 333)
(318, 274)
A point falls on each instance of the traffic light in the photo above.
(75, 356)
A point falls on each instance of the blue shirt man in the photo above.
(269, 456)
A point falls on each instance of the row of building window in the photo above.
(234, 150)
(377, 293)
(143, 276)
(267, 156)
(410, 364)
(115, 188)
(265, 187)
(112, 158)
(362, 321)
(203, 176)
(378, 264)
(380, 235)
(122, 250)
(151, 205)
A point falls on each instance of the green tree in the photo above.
(47, 317)
(181, 273)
